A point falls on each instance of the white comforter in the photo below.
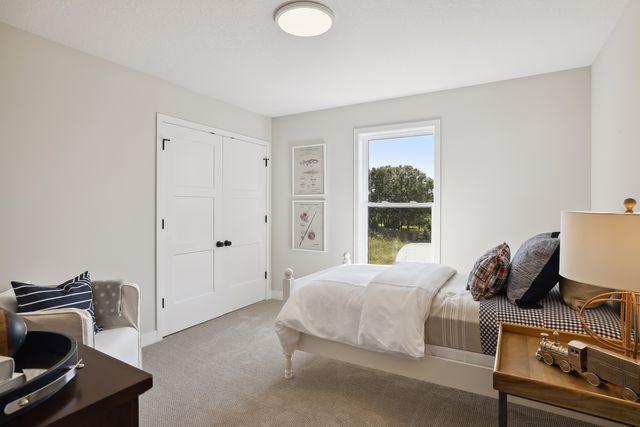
(373, 307)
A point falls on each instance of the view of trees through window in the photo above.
(401, 183)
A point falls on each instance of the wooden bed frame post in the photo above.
(346, 258)
(288, 367)
(286, 289)
(286, 284)
(286, 292)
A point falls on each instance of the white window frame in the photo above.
(362, 136)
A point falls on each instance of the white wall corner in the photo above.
(149, 338)
(276, 294)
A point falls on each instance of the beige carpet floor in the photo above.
(228, 372)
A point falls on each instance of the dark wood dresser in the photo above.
(104, 393)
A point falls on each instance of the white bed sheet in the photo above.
(339, 298)
(453, 323)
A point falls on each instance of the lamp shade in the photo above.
(601, 249)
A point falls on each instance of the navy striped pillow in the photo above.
(74, 293)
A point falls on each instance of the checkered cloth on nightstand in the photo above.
(554, 314)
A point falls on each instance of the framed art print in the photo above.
(308, 222)
(308, 170)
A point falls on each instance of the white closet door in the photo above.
(211, 190)
(241, 266)
(193, 173)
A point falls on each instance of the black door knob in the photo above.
(227, 242)
(219, 244)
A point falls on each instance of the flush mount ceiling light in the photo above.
(304, 18)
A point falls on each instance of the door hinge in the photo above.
(163, 224)
(265, 219)
(266, 162)
(162, 302)
(265, 274)
(163, 141)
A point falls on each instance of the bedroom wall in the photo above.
(77, 163)
(514, 154)
(615, 87)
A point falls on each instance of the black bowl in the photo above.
(57, 353)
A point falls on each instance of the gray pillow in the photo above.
(107, 301)
(534, 270)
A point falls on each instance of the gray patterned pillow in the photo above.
(535, 270)
(107, 300)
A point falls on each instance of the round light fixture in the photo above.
(304, 18)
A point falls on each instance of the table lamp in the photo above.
(603, 250)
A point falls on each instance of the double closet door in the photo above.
(212, 206)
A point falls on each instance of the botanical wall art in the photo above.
(308, 220)
(308, 170)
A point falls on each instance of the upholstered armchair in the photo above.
(120, 337)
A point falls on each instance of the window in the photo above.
(397, 193)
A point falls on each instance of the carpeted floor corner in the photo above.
(228, 372)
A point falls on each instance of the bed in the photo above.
(453, 353)
(457, 335)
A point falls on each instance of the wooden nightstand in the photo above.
(103, 393)
(518, 373)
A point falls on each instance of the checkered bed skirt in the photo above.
(554, 314)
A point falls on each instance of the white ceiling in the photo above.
(231, 49)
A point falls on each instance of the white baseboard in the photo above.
(275, 294)
(149, 338)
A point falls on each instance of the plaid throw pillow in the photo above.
(489, 275)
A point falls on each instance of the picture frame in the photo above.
(308, 225)
(308, 170)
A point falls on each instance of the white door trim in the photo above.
(163, 118)
(160, 286)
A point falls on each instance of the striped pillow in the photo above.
(74, 293)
